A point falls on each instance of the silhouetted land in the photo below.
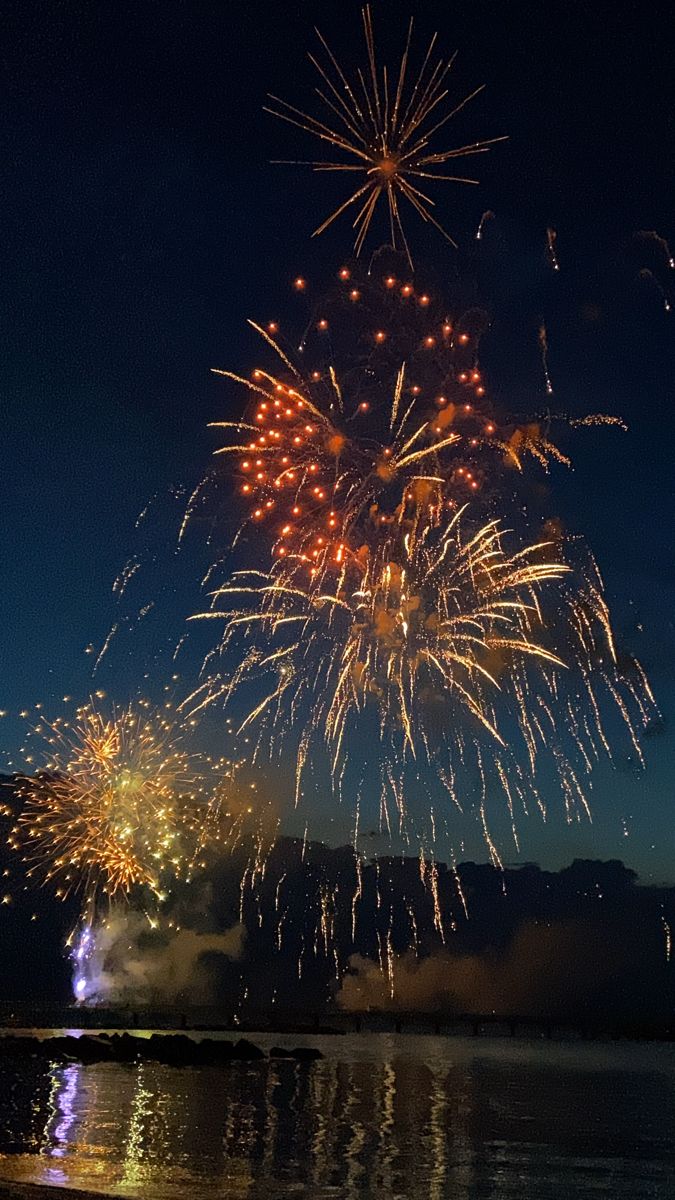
(587, 948)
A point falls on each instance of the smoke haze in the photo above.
(546, 968)
(130, 963)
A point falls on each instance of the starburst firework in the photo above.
(384, 126)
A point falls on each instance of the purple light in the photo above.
(83, 945)
(65, 1100)
(80, 956)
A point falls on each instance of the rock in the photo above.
(152, 1048)
(306, 1053)
(244, 1049)
(172, 1049)
(125, 1048)
(217, 1051)
(19, 1047)
(63, 1047)
(202, 1053)
(175, 1050)
(281, 1052)
(92, 1050)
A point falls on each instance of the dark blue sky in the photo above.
(143, 223)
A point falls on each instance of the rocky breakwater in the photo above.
(173, 1050)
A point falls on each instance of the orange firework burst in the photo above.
(332, 449)
(384, 128)
(105, 811)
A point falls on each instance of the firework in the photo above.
(457, 646)
(649, 237)
(385, 600)
(660, 262)
(488, 215)
(105, 812)
(551, 239)
(396, 627)
(383, 126)
(383, 419)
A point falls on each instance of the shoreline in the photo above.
(92, 1024)
(9, 1190)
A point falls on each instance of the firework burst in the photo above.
(458, 645)
(383, 419)
(383, 126)
(106, 811)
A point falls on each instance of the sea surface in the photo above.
(392, 1117)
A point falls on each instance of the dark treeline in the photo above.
(316, 930)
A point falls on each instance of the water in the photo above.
(382, 1116)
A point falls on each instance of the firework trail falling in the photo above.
(650, 277)
(661, 263)
(488, 215)
(649, 237)
(543, 346)
(461, 649)
(551, 239)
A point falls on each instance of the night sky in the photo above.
(143, 222)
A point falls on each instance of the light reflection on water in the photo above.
(381, 1116)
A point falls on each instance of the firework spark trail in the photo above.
(648, 236)
(543, 346)
(440, 617)
(551, 238)
(662, 261)
(488, 215)
(649, 276)
(385, 138)
(598, 419)
(126, 575)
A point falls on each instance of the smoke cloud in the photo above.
(545, 969)
(128, 962)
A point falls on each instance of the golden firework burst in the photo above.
(106, 811)
(473, 660)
